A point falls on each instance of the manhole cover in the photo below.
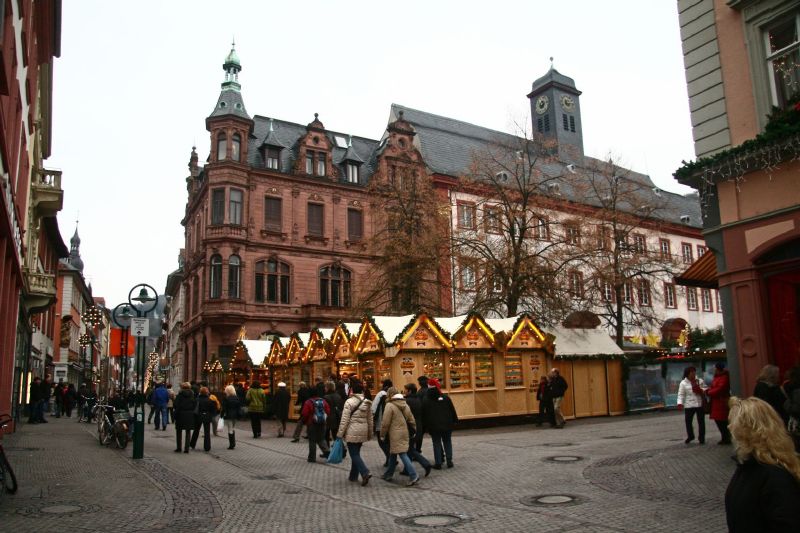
(552, 499)
(431, 520)
(60, 509)
(563, 458)
(557, 444)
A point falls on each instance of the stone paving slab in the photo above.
(633, 474)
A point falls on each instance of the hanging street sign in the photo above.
(140, 327)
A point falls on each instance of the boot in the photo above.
(231, 441)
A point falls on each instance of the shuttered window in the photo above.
(315, 220)
(218, 206)
(355, 225)
(273, 214)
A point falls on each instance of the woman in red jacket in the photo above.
(720, 392)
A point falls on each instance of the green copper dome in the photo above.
(233, 58)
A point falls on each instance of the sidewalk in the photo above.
(610, 474)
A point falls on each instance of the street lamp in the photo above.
(121, 315)
(84, 340)
(92, 316)
(146, 303)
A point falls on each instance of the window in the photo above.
(547, 123)
(334, 286)
(352, 173)
(639, 243)
(234, 276)
(643, 292)
(670, 302)
(705, 297)
(355, 225)
(215, 277)
(700, 250)
(565, 121)
(236, 146)
(572, 234)
(686, 252)
(272, 158)
(496, 281)
(484, 370)
(572, 124)
(719, 302)
(691, 298)
(222, 147)
(466, 216)
(217, 206)
(543, 124)
(576, 284)
(491, 219)
(607, 292)
(783, 59)
(309, 162)
(273, 214)
(602, 234)
(627, 293)
(272, 282)
(316, 226)
(663, 245)
(467, 276)
(459, 371)
(541, 229)
(235, 207)
(320, 163)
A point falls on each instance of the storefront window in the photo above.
(484, 371)
(385, 370)
(368, 375)
(514, 371)
(434, 368)
(459, 371)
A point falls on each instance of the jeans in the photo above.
(688, 414)
(162, 416)
(414, 455)
(407, 465)
(440, 439)
(557, 416)
(357, 465)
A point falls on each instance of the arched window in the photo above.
(236, 145)
(334, 286)
(222, 147)
(234, 276)
(215, 277)
(272, 282)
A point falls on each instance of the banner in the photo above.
(114, 346)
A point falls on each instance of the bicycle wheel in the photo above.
(121, 437)
(7, 477)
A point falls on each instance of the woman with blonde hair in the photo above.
(765, 489)
(230, 413)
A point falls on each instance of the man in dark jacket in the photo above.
(303, 394)
(309, 415)
(281, 402)
(421, 393)
(206, 409)
(558, 387)
(35, 400)
(47, 392)
(184, 405)
(336, 403)
(438, 417)
(415, 404)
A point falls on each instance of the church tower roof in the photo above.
(75, 252)
(230, 97)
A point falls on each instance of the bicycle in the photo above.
(8, 481)
(108, 431)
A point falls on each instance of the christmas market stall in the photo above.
(317, 354)
(240, 369)
(259, 350)
(277, 361)
(214, 374)
(341, 348)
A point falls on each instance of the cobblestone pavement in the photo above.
(609, 474)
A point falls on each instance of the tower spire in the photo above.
(232, 67)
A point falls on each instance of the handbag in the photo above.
(220, 425)
(337, 452)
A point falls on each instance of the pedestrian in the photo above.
(215, 419)
(764, 491)
(69, 399)
(690, 399)
(254, 399)
(184, 405)
(355, 429)
(415, 404)
(35, 400)
(206, 409)
(303, 394)
(171, 403)
(82, 393)
(47, 393)
(58, 399)
(545, 400)
(281, 404)
(439, 417)
(314, 415)
(148, 398)
(397, 427)
(421, 393)
(558, 388)
(792, 405)
(160, 399)
(230, 414)
(768, 388)
(719, 393)
(378, 406)
(336, 403)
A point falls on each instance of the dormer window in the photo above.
(352, 172)
(272, 158)
(222, 147)
(319, 158)
(236, 146)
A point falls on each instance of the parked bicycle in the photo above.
(8, 481)
(112, 424)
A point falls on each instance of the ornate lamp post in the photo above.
(84, 340)
(146, 303)
(92, 316)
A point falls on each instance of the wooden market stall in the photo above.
(341, 348)
(241, 366)
(259, 350)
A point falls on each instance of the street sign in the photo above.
(140, 327)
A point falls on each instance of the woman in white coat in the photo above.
(690, 398)
(356, 429)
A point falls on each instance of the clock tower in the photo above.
(556, 114)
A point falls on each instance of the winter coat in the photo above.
(307, 412)
(36, 392)
(438, 412)
(206, 408)
(356, 424)
(558, 387)
(303, 395)
(184, 409)
(281, 403)
(255, 400)
(161, 397)
(762, 498)
(415, 404)
(773, 395)
(397, 416)
(687, 397)
(720, 392)
(231, 407)
(335, 401)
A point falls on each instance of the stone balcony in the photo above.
(226, 231)
(41, 291)
(47, 195)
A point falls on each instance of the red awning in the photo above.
(702, 273)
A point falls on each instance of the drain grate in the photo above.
(552, 500)
(433, 520)
(557, 444)
(564, 458)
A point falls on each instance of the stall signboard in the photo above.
(645, 387)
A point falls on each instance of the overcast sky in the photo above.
(135, 82)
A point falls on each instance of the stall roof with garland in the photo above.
(570, 343)
(257, 350)
(450, 325)
(392, 326)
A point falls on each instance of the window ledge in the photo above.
(360, 244)
(316, 238)
(272, 233)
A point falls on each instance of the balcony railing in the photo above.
(234, 231)
(41, 284)
(46, 192)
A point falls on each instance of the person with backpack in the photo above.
(230, 414)
(720, 392)
(148, 399)
(378, 406)
(314, 415)
(439, 417)
(255, 407)
(303, 394)
(355, 429)
(415, 404)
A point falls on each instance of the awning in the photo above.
(702, 273)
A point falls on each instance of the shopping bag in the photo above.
(337, 452)
(220, 425)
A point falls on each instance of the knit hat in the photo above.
(434, 383)
(281, 384)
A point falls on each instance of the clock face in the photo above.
(541, 104)
(567, 103)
